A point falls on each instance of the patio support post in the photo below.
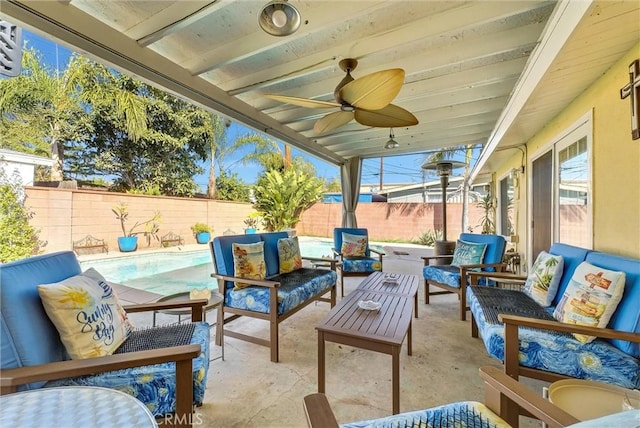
(350, 180)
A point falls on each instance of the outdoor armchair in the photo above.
(453, 277)
(168, 379)
(504, 399)
(367, 260)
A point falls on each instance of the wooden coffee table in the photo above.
(406, 285)
(382, 330)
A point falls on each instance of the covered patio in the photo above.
(527, 80)
(513, 76)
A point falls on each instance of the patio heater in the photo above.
(444, 168)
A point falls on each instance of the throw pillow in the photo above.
(87, 314)
(543, 280)
(591, 298)
(468, 253)
(289, 254)
(248, 262)
(354, 245)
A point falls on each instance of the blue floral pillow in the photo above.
(468, 253)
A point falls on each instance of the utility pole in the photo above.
(381, 167)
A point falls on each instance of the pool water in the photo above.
(175, 272)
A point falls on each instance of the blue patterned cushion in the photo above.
(468, 253)
(290, 293)
(361, 265)
(561, 353)
(154, 385)
(443, 274)
(470, 414)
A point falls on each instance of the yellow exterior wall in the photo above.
(615, 162)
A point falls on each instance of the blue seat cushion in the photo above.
(290, 293)
(364, 264)
(470, 414)
(443, 274)
(154, 385)
(559, 352)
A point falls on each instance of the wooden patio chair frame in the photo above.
(183, 356)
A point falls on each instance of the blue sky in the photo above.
(396, 169)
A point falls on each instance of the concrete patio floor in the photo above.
(246, 389)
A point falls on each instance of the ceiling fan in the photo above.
(366, 99)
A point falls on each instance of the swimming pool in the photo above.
(174, 272)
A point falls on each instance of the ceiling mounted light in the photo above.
(279, 18)
(391, 144)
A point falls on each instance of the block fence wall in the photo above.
(389, 221)
(66, 215)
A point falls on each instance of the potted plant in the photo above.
(129, 239)
(252, 223)
(202, 232)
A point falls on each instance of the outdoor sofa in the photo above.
(274, 297)
(525, 335)
(164, 367)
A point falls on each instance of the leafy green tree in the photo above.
(41, 109)
(18, 239)
(333, 185)
(230, 187)
(165, 156)
(281, 197)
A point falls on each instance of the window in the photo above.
(573, 192)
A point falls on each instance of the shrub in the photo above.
(201, 227)
(18, 239)
(429, 238)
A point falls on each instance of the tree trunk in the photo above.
(211, 185)
(57, 155)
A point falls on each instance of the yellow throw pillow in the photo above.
(591, 298)
(289, 254)
(87, 314)
(354, 245)
(248, 262)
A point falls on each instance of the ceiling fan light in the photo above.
(391, 144)
(279, 18)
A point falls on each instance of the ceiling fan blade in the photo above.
(303, 102)
(332, 121)
(391, 116)
(374, 91)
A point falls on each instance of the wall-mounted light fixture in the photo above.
(279, 18)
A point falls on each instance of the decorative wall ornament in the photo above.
(632, 90)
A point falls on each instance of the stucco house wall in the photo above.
(615, 162)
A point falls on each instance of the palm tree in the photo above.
(41, 109)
